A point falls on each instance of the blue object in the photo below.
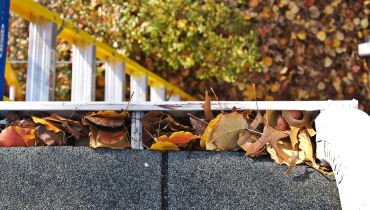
(4, 24)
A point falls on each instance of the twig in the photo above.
(139, 142)
(197, 118)
(129, 102)
(267, 119)
(72, 114)
(255, 96)
(217, 99)
(254, 131)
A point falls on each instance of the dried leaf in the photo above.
(110, 114)
(109, 136)
(287, 148)
(226, 134)
(246, 138)
(321, 36)
(49, 137)
(164, 146)
(14, 136)
(306, 146)
(309, 2)
(298, 124)
(122, 144)
(73, 127)
(25, 123)
(271, 136)
(49, 125)
(179, 138)
(94, 129)
(108, 122)
(199, 126)
(150, 124)
(207, 136)
(207, 107)
(253, 3)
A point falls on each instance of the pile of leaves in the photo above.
(284, 135)
(96, 129)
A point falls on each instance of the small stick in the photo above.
(267, 119)
(139, 142)
(217, 99)
(255, 96)
(129, 101)
(254, 131)
(196, 118)
(72, 114)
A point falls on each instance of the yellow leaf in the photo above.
(164, 146)
(288, 149)
(49, 125)
(364, 23)
(321, 36)
(301, 35)
(268, 61)
(208, 133)
(336, 43)
(275, 88)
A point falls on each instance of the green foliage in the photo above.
(210, 36)
(207, 36)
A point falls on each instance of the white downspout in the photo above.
(343, 141)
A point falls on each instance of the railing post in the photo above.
(115, 80)
(41, 59)
(157, 92)
(175, 97)
(83, 71)
(138, 85)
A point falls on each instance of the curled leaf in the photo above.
(179, 138)
(164, 146)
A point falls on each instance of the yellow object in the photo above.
(71, 33)
(11, 79)
(6, 98)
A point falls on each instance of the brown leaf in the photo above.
(150, 124)
(50, 138)
(25, 123)
(51, 126)
(297, 124)
(226, 134)
(199, 126)
(14, 136)
(108, 122)
(109, 136)
(12, 116)
(306, 146)
(272, 136)
(246, 138)
(73, 127)
(94, 129)
(207, 107)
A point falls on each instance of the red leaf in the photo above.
(310, 2)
